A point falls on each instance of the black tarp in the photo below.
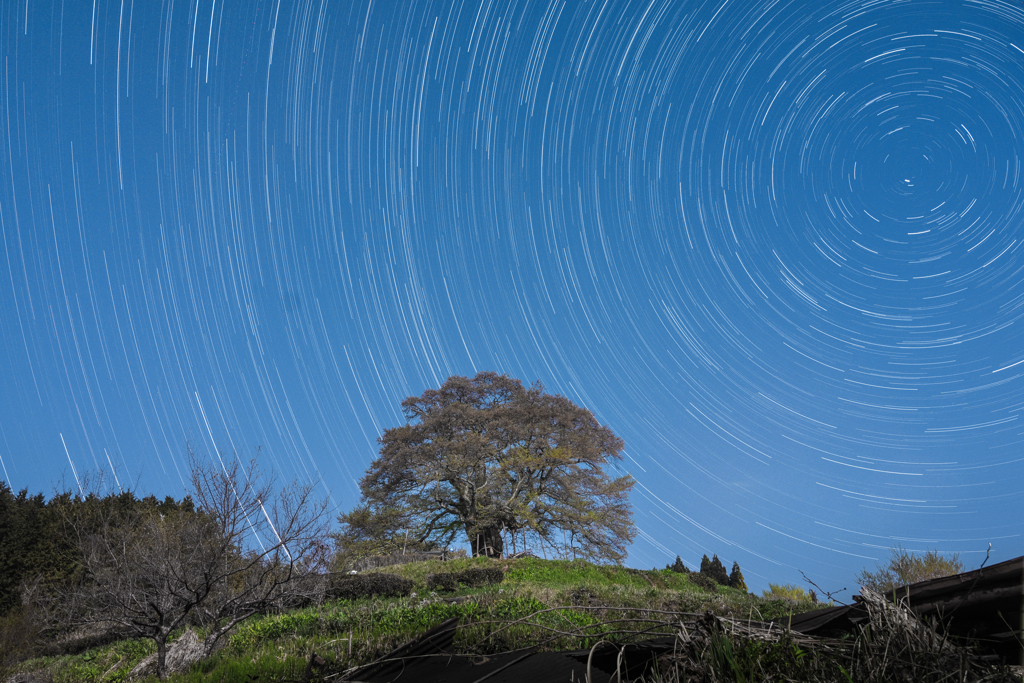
(428, 660)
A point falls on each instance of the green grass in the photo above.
(513, 614)
(110, 663)
(262, 667)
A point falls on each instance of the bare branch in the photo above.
(245, 547)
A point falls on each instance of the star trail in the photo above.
(777, 246)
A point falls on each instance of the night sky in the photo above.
(778, 247)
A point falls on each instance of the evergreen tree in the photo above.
(678, 567)
(705, 565)
(35, 541)
(717, 571)
(23, 541)
(736, 577)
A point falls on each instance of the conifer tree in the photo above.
(717, 571)
(736, 577)
(705, 565)
(678, 567)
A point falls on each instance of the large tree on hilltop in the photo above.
(488, 459)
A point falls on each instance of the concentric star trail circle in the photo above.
(776, 246)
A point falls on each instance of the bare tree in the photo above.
(245, 547)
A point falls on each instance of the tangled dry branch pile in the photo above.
(893, 644)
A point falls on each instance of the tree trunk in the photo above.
(161, 656)
(210, 643)
(486, 541)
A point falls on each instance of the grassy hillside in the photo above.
(558, 604)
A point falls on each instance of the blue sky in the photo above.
(776, 246)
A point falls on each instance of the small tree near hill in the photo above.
(788, 592)
(702, 581)
(715, 570)
(678, 567)
(905, 568)
(736, 578)
(244, 548)
(366, 532)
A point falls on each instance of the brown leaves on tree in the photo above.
(490, 460)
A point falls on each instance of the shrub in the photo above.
(357, 586)
(581, 596)
(787, 592)
(18, 639)
(474, 577)
(444, 582)
(905, 568)
(704, 581)
(481, 576)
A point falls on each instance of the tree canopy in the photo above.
(715, 570)
(494, 462)
(905, 568)
(33, 545)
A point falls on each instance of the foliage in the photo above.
(736, 578)
(549, 577)
(714, 570)
(418, 571)
(558, 604)
(365, 532)
(718, 572)
(148, 571)
(360, 586)
(893, 645)
(23, 526)
(265, 667)
(707, 649)
(492, 461)
(475, 577)
(559, 573)
(704, 580)
(788, 591)
(19, 634)
(308, 622)
(443, 582)
(34, 545)
(678, 566)
(905, 568)
(109, 663)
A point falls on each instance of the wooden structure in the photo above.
(985, 605)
